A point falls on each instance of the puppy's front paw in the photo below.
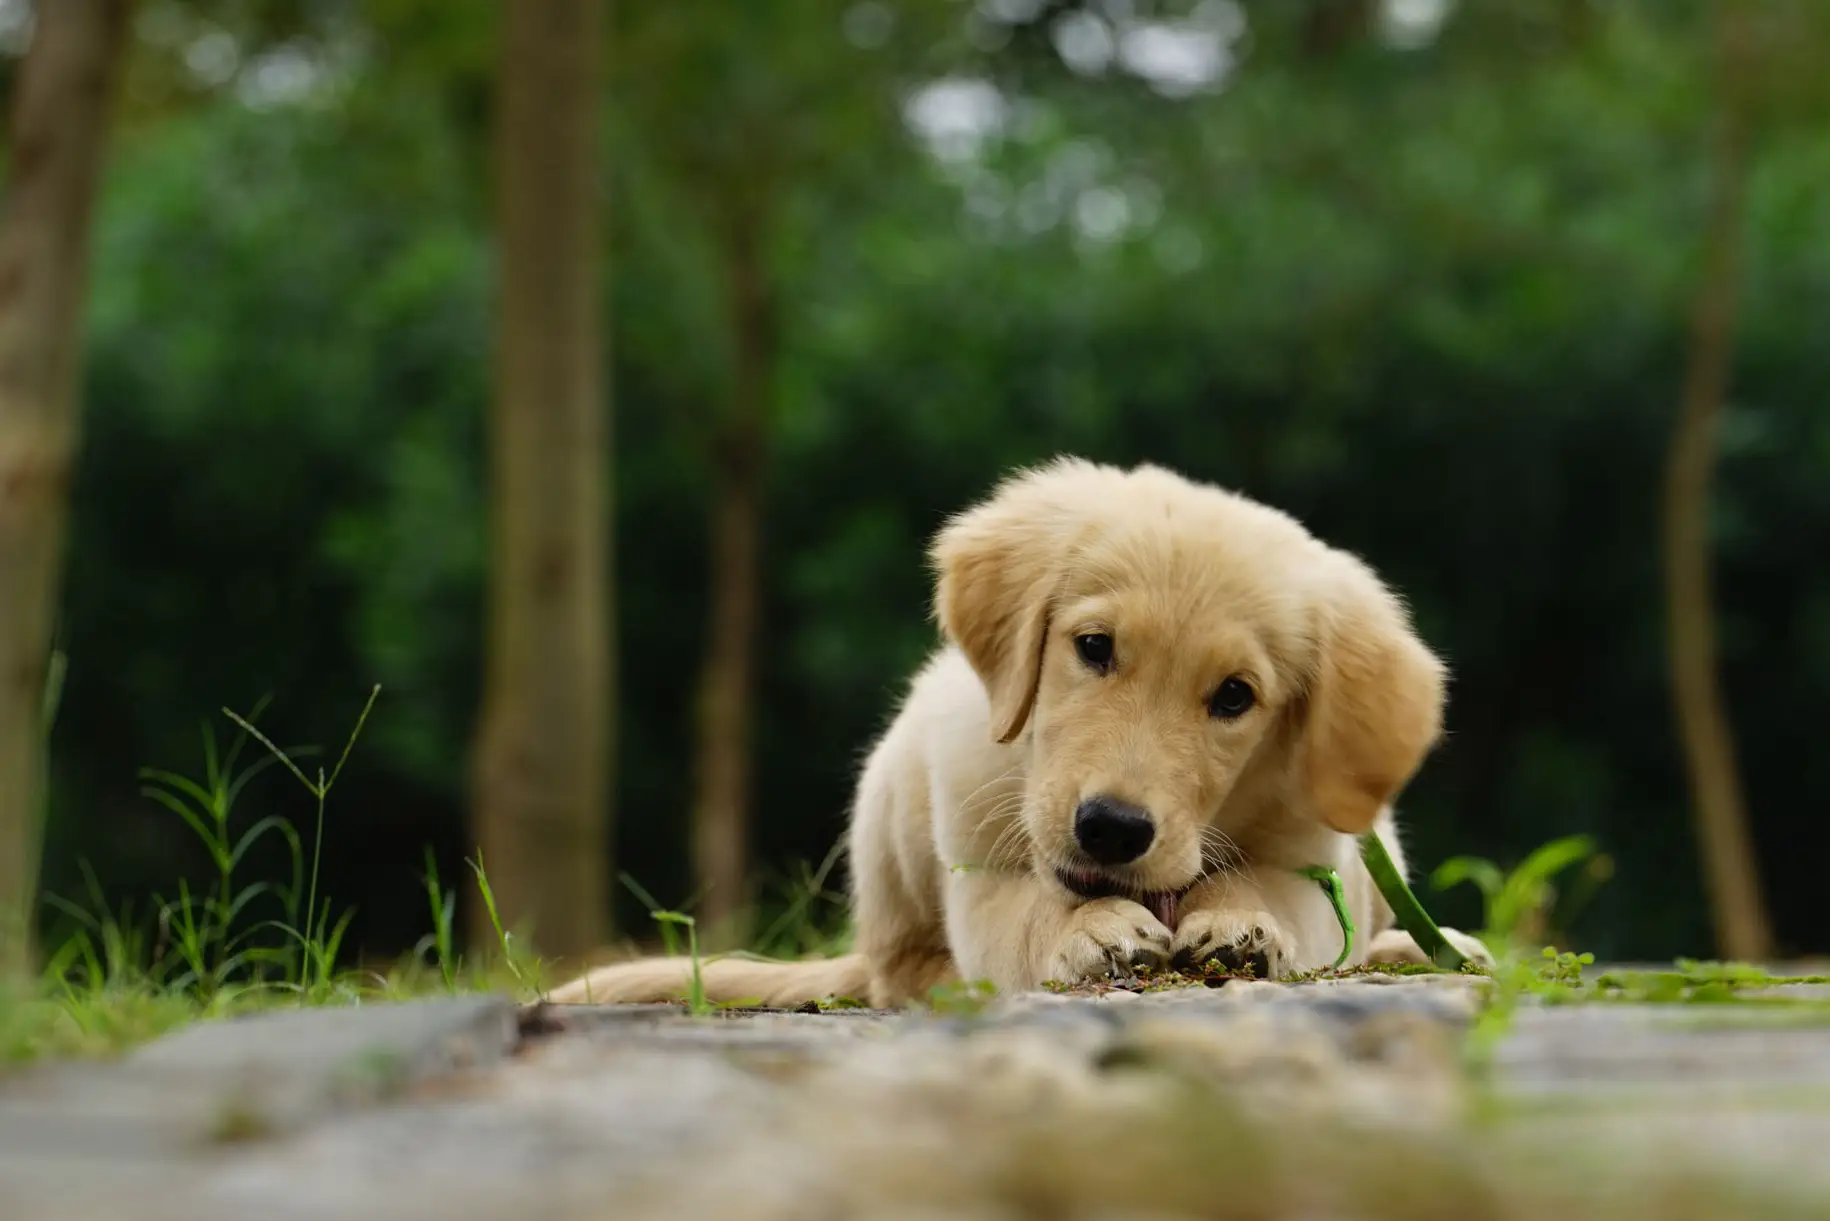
(1108, 939)
(1235, 940)
(1395, 946)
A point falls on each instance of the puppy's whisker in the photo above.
(1217, 834)
(1002, 777)
(1010, 848)
(1004, 804)
(1218, 846)
(1221, 858)
(1003, 811)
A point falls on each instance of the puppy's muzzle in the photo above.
(1111, 831)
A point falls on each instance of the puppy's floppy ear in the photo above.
(998, 566)
(1375, 703)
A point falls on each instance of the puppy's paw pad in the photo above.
(1109, 939)
(1234, 942)
(1234, 959)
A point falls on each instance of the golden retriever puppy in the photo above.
(1157, 701)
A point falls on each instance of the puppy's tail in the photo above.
(725, 980)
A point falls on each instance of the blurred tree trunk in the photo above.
(543, 753)
(61, 102)
(1724, 837)
(727, 682)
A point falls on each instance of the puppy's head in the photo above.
(1181, 664)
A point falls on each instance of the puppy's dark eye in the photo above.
(1095, 648)
(1233, 698)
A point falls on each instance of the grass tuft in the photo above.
(666, 922)
(228, 946)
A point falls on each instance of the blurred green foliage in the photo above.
(1428, 297)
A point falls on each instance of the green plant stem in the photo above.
(1330, 882)
(1412, 918)
(317, 850)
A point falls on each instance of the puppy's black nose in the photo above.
(1112, 832)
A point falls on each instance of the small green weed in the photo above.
(813, 918)
(204, 940)
(317, 938)
(523, 965)
(1559, 977)
(963, 998)
(201, 928)
(1555, 977)
(120, 977)
(1520, 904)
(1693, 982)
(444, 918)
(666, 921)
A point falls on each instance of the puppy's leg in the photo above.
(1275, 921)
(901, 939)
(1018, 930)
(896, 899)
(1395, 946)
(902, 942)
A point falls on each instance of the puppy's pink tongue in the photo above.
(1162, 905)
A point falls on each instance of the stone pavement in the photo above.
(1333, 1099)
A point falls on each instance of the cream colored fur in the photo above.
(964, 810)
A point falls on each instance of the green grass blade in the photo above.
(241, 739)
(205, 829)
(1412, 918)
(253, 835)
(184, 784)
(284, 758)
(1483, 875)
(354, 733)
